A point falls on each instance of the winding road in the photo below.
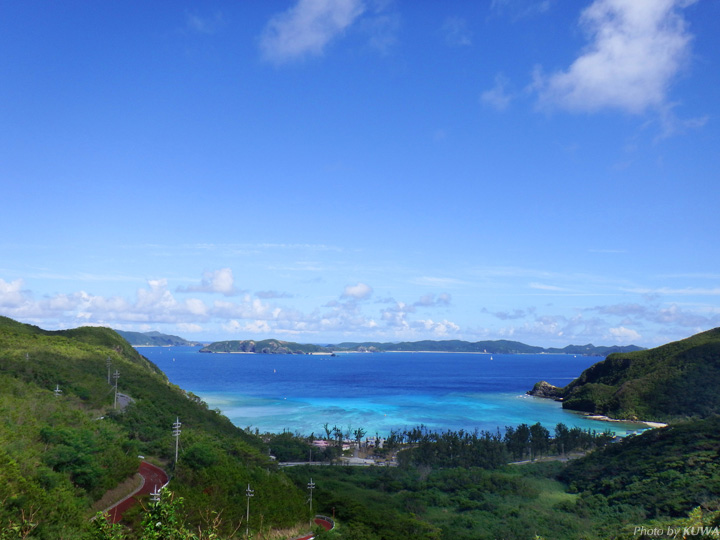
(153, 478)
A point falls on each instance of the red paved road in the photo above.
(318, 521)
(154, 478)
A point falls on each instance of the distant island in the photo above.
(501, 346)
(274, 346)
(265, 346)
(154, 339)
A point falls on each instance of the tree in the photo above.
(562, 437)
(359, 433)
(539, 440)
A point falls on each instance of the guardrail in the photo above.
(331, 521)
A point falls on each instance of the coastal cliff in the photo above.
(544, 389)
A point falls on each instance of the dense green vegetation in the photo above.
(677, 380)
(665, 471)
(663, 478)
(60, 453)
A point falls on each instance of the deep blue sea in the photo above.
(378, 392)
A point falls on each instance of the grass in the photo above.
(118, 493)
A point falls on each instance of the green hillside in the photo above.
(60, 453)
(665, 471)
(677, 380)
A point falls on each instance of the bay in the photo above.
(378, 392)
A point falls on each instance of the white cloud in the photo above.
(358, 292)
(11, 294)
(498, 96)
(189, 328)
(625, 335)
(252, 327)
(636, 49)
(216, 281)
(306, 28)
(439, 329)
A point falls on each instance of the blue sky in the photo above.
(322, 171)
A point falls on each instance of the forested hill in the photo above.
(677, 380)
(60, 451)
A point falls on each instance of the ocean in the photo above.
(378, 392)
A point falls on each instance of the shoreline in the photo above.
(603, 418)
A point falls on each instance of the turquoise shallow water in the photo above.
(378, 392)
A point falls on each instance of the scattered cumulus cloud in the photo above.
(215, 281)
(307, 28)
(247, 327)
(360, 291)
(636, 49)
(156, 306)
(439, 329)
(625, 335)
(189, 328)
(11, 293)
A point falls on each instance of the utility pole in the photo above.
(116, 376)
(57, 390)
(248, 493)
(176, 434)
(108, 363)
(311, 486)
(155, 495)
